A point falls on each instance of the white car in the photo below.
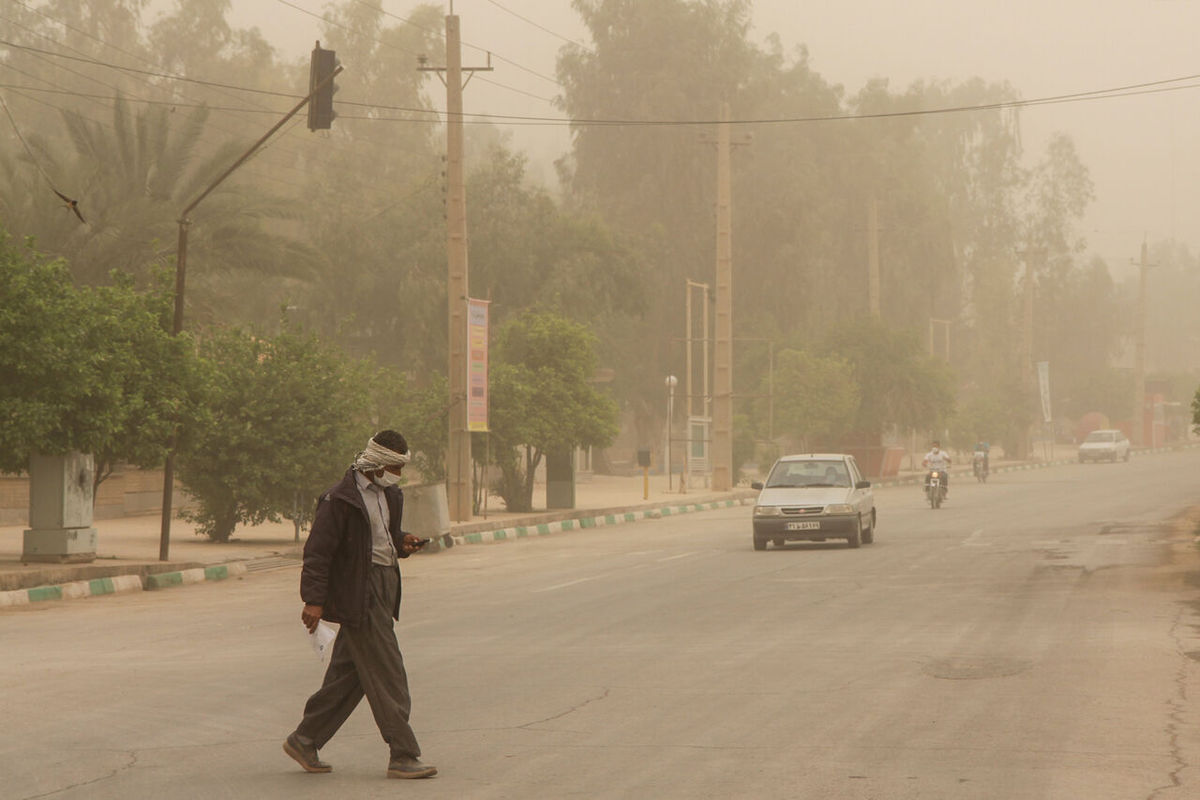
(812, 498)
(1104, 445)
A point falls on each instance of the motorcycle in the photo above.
(980, 466)
(935, 488)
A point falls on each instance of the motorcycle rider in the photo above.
(985, 448)
(938, 459)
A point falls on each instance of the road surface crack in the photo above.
(1177, 704)
(132, 762)
(603, 695)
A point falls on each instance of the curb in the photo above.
(120, 584)
(1144, 451)
(219, 572)
(964, 472)
(580, 523)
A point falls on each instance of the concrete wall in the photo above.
(127, 492)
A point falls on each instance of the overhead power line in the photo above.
(540, 27)
(497, 84)
(1129, 90)
(438, 32)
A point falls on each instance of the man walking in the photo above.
(351, 576)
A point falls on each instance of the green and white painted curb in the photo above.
(119, 584)
(581, 523)
(219, 572)
(73, 590)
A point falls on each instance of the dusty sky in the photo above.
(1143, 151)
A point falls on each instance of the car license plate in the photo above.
(804, 526)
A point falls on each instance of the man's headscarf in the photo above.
(376, 456)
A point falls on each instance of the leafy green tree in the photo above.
(899, 384)
(542, 399)
(87, 369)
(156, 377)
(998, 416)
(1106, 389)
(284, 416)
(424, 418)
(815, 397)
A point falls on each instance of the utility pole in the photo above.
(1027, 348)
(689, 343)
(458, 454)
(873, 254)
(722, 417)
(722, 444)
(1138, 427)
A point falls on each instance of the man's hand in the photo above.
(412, 544)
(310, 616)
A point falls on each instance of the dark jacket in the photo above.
(337, 555)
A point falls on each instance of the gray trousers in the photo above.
(366, 660)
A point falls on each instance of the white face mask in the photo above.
(387, 479)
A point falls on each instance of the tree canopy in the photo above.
(283, 418)
(86, 368)
(345, 228)
(543, 399)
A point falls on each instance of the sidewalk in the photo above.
(128, 547)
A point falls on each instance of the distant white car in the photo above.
(812, 498)
(1104, 445)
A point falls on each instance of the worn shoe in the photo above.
(408, 767)
(305, 754)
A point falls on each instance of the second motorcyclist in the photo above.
(982, 451)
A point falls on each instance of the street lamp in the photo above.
(671, 382)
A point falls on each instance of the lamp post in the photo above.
(671, 382)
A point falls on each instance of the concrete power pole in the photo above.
(1027, 350)
(458, 454)
(722, 424)
(1138, 426)
(873, 254)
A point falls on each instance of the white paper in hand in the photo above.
(322, 641)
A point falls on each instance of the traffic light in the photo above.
(320, 107)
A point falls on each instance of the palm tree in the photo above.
(132, 178)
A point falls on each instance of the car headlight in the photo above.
(766, 511)
(839, 508)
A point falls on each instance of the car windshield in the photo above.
(1100, 436)
(795, 474)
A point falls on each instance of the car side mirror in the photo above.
(863, 485)
(756, 485)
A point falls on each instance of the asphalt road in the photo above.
(1037, 637)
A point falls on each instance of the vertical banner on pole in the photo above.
(477, 365)
(1043, 370)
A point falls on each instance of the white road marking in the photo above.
(565, 585)
(681, 555)
(973, 540)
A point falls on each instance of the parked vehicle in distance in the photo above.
(1104, 445)
(812, 498)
